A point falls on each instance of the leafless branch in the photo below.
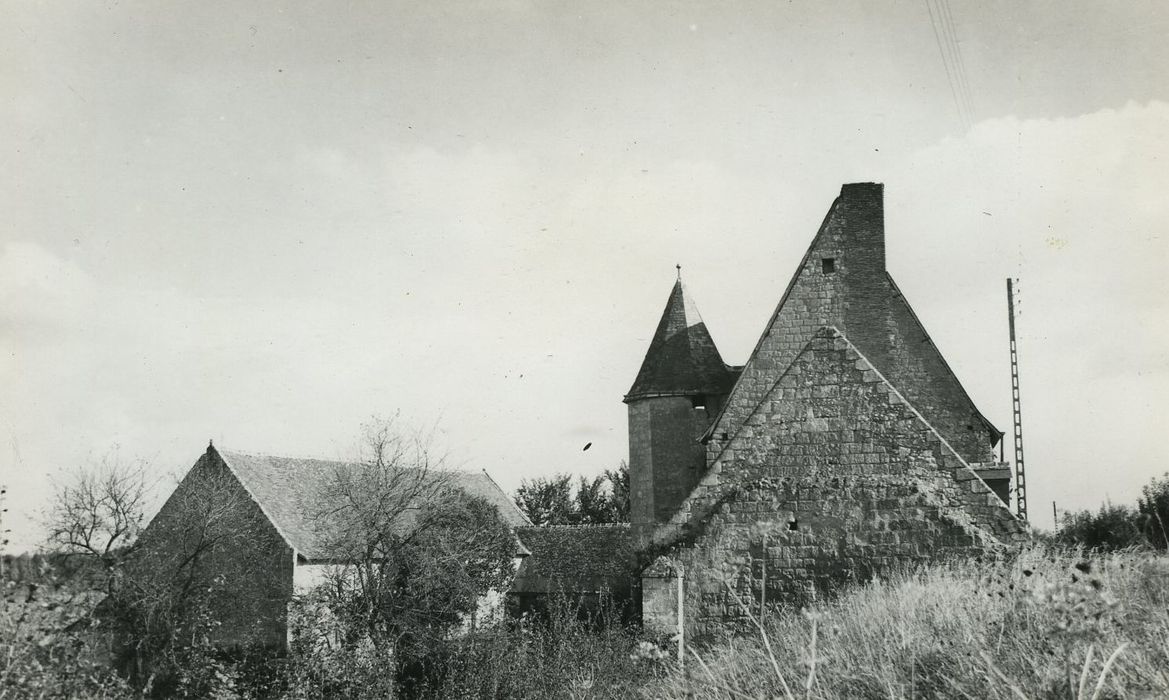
(98, 509)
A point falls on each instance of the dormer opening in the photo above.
(698, 401)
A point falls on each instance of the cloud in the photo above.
(38, 288)
(1074, 208)
(511, 292)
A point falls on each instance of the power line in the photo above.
(947, 61)
(956, 52)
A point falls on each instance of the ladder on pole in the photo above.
(1020, 475)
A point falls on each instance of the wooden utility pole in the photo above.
(681, 617)
(1020, 474)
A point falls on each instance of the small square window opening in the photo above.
(828, 265)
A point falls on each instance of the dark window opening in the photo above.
(724, 436)
(793, 525)
(828, 265)
(698, 401)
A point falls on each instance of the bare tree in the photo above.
(164, 596)
(98, 510)
(162, 583)
(413, 553)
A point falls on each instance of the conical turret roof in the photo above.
(682, 358)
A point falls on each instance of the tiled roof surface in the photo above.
(682, 357)
(291, 492)
(576, 559)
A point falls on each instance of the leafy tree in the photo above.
(593, 504)
(552, 500)
(1118, 526)
(619, 491)
(1153, 509)
(547, 500)
(1112, 527)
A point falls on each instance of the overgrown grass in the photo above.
(1043, 623)
(566, 655)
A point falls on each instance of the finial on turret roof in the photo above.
(679, 266)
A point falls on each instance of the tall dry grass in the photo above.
(1043, 623)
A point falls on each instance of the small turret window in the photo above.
(828, 265)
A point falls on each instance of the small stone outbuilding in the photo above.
(590, 568)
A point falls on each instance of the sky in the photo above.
(266, 223)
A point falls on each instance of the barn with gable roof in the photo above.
(262, 514)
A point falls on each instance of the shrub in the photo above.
(1111, 528)
(1153, 508)
(39, 656)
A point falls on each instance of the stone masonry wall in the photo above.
(833, 478)
(855, 294)
(246, 561)
(666, 458)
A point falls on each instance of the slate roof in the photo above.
(682, 358)
(289, 490)
(576, 559)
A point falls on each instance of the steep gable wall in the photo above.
(241, 556)
(855, 294)
(833, 477)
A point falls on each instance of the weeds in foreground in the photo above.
(1039, 624)
(563, 655)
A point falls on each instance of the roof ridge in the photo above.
(580, 526)
(510, 500)
(249, 453)
(212, 450)
(357, 463)
(913, 409)
(945, 365)
(710, 430)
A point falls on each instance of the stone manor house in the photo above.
(844, 445)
